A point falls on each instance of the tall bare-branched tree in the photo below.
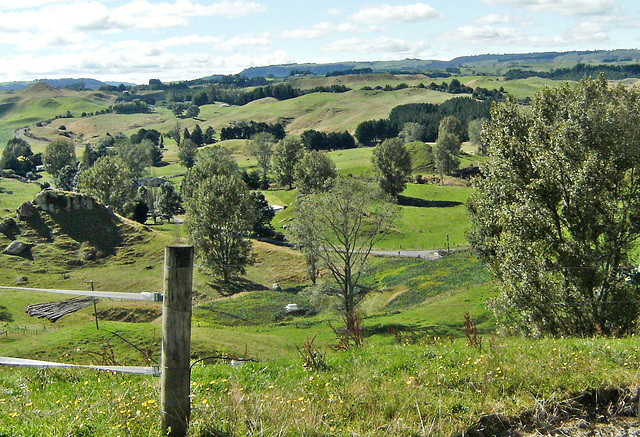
(341, 227)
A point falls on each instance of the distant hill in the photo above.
(521, 60)
(502, 62)
(74, 84)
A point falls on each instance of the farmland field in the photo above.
(432, 362)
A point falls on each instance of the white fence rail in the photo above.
(8, 361)
(149, 297)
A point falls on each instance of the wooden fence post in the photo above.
(176, 340)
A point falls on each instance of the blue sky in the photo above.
(136, 40)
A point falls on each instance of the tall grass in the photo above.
(429, 386)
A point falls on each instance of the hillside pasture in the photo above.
(42, 102)
(428, 214)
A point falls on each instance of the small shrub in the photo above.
(5, 315)
(471, 332)
(348, 339)
(312, 357)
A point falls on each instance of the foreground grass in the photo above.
(428, 386)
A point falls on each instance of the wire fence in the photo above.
(18, 331)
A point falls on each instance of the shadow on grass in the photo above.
(415, 333)
(423, 203)
(234, 286)
(295, 289)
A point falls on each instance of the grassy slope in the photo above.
(321, 111)
(427, 386)
(41, 102)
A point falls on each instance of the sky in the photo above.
(137, 40)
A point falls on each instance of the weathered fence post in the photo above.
(176, 340)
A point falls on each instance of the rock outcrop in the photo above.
(54, 201)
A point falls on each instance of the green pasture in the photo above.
(328, 112)
(237, 317)
(356, 162)
(428, 214)
(38, 103)
(414, 386)
(14, 193)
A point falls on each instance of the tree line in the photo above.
(238, 95)
(579, 71)
(427, 115)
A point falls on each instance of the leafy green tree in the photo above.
(169, 202)
(111, 182)
(372, 132)
(452, 125)
(65, 178)
(286, 155)
(411, 132)
(210, 161)
(446, 151)
(392, 162)
(556, 214)
(260, 146)
(340, 140)
(220, 214)
(91, 154)
(140, 211)
(314, 140)
(178, 108)
(262, 226)
(137, 157)
(146, 134)
(58, 154)
(187, 153)
(155, 153)
(314, 172)
(200, 98)
(209, 135)
(474, 129)
(193, 111)
(147, 195)
(175, 134)
(253, 179)
(342, 226)
(196, 135)
(18, 156)
(305, 236)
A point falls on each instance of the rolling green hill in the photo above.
(42, 102)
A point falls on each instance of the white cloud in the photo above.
(389, 48)
(571, 8)
(388, 13)
(319, 30)
(482, 34)
(506, 36)
(138, 14)
(322, 30)
(493, 19)
(133, 61)
(186, 8)
(188, 40)
(26, 4)
(334, 11)
(587, 33)
(250, 41)
(495, 35)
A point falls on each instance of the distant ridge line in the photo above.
(585, 56)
